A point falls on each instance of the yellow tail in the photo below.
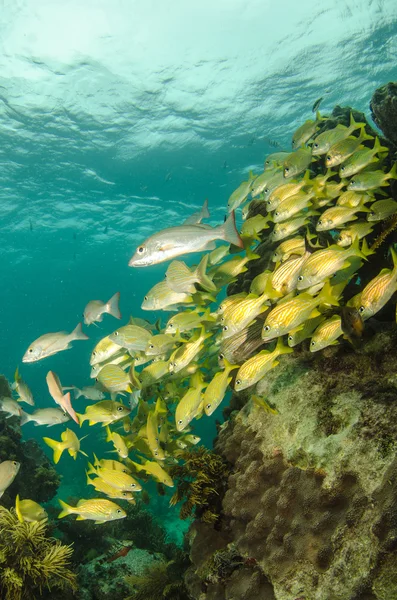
(66, 509)
(57, 447)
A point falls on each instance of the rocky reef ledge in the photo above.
(310, 510)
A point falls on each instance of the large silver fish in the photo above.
(184, 239)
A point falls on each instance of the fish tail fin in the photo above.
(57, 447)
(77, 393)
(108, 434)
(77, 333)
(378, 147)
(18, 509)
(365, 250)
(17, 376)
(202, 277)
(328, 295)
(112, 306)
(25, 418)
(204, 211)
(364, 135)
(96, 461)
(81, 418)
(281, 348)
(66, 509)
(88, 480)
(394, 257)
(230, 233)
(91, 469)
(393, 171)
(353, 123)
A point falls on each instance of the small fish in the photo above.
(356, 231)
(106, 463)
(253, 226)
(114, 379)
(289, 314)
(94, 311)
(305, 132)
(261, 402)
(256, 367)
(352, 323)
(104, 351)
(10, 406)
(328, 138)
(240, 346)
(287, 228)
(288, 248)
(69, 441)
(184, 355)
(52, 343)
(285, 278)
(326, 333)
(117, 479)
(371, 180)
(162, 297)
(8, 471)
(105, 412)
(240, 194)
(336, 216)
(217, 388)
(123, 359)
(29, 511)
(260, 283)
(153, 372)
(289, 207)
(101, 486)
(132, 337)
(286, 190)
(377, 292)
(361, 159)
(198, 216)
(97, 509)
(191, 404)
(22, 389)
(297, 162)
(324, 263)
(45, 416)
(180, 278)
(260, 182)
(89, 392)
(275, 160)
(382, 209)
(187, 320)
(176, 241)
(302, 332)
(56, 391)
(243, 312)
(154, 469)
(152, 434)
(352, 199)
(316, 104)
(342, 150)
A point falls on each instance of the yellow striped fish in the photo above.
(180, 278)
(285, 191)
(382, 209)
(114, 379)
(301, 333)
(377, 292)
(239, 315)
(191, 404)
(256, 367)
(161, 297)
(342, 150)
(106, 411)
(117, 479)
(286, 249)
(287, 228)
(324, 263)
(101, 486)
(297, 162)
(184, 355)
(336, 216)
(326, 334)
(132, 337)
(353, 199)
(217, 388)
(153, 372)
(357, 231)
(291, 313)
(285, 277)
(104, 350)
(152, 434)
(97, 509)
(291, 206)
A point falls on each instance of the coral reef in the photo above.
(311, 500)
(384, 110)
(199, 483)
(161, 580)
(29, 560)
(37, 479)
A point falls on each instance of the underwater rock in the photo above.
(312, 496)
(384, 110)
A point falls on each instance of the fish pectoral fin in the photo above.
(164, 247)
(314, 313)
(80, 518)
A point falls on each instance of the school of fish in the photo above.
(306, 221)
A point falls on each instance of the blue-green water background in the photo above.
(119, 118)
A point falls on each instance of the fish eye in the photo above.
(180, 422)
(328, 157)
(133, 485)
(30, 349)
(118, 511)
(14, 462)
(290, 338)
(361, 309)
(352, 181)
(342, 168)
(141, 249)
(146, 298)
(151, 346)
(277, 213)
(225, 328)
(238, 381)
(221, 356)
(93, 354)
(300, 278)
(208, 406)
(313, 343)
(315, 145)
(266, 328)
(320, 222)
(120, 408)
(266, 190)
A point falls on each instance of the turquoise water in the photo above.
(119, 118)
